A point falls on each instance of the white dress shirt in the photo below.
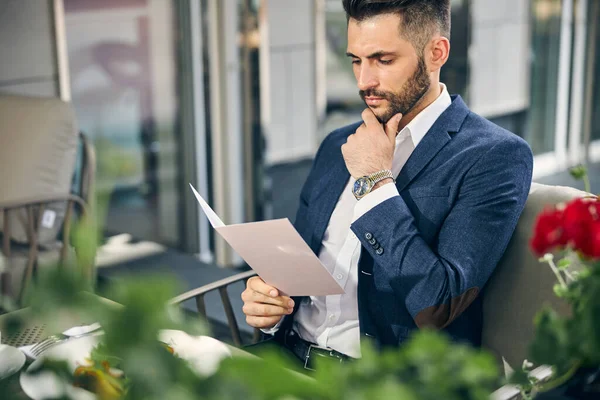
(332, 321)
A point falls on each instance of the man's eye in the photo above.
(355, 61)
(386, 62)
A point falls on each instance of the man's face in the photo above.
(391, 76)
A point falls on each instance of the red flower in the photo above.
(582, 226)
(548, 232)
(576, 226)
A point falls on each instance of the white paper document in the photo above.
(277, 253)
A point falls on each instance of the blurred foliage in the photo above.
(114, 161)
(429, 366)
(580, 173)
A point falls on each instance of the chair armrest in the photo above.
(212, 286)
(43, 200)
(221, 286)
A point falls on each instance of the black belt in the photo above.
(307, 351)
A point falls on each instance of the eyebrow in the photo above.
(377, 54)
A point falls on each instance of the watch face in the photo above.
(362, 186)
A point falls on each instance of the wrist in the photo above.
(366, 184)
(381, 183)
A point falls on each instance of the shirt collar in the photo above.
(421, 124)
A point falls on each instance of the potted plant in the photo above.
(567, 238)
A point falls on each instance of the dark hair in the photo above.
(420, 19)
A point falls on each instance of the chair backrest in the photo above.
(38, 146)
(521, 285)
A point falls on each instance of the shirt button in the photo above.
(340, 276)
(331, 317)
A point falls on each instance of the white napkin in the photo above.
(71, 332)
(11, 360)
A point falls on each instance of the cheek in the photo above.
(395, 78)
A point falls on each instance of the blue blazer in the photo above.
(427, 254)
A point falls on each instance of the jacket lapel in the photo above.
(436, 138)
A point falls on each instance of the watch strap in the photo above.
(381, 175)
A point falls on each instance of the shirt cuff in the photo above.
(273, 330)
(373, 199)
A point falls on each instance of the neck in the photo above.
(429, 97)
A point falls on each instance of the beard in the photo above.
(407, 98)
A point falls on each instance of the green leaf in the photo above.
(560, 291)
(563, 264)
(520, 378)
(579, 172)
(551, 343)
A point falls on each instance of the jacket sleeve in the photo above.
(438, 283)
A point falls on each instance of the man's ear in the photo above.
(437, 53)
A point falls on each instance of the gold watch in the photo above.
(364, 185)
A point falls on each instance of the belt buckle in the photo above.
(314, 346)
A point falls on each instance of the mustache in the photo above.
(373, 93)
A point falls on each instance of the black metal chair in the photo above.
(221, 285)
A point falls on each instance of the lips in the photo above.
(373, 101)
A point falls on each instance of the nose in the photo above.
(366, 77)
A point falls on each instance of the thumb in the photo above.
(391, 127)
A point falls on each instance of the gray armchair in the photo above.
(38, 149)
(521, 285)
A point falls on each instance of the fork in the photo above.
(52, 340)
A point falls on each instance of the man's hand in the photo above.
(263, 305)
(371, 148)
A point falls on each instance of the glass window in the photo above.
(540, 129)
(122, 60)
(594, 79)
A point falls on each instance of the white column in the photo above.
(62, 56)
(226, 120)
(201, 184)
(576, 152)
(564, 79)
(291, 117)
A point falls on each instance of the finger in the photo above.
(262, 322)
(256, 297)
(258, 285)
(391, 128)
(265, 310)
(369, 118)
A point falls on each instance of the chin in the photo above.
(383, 116)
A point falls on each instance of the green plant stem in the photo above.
(568, 275)
(586, 183)
(557, 273)
(561, 379)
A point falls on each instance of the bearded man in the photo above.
(410, 209)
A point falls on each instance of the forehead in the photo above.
(381, 32)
